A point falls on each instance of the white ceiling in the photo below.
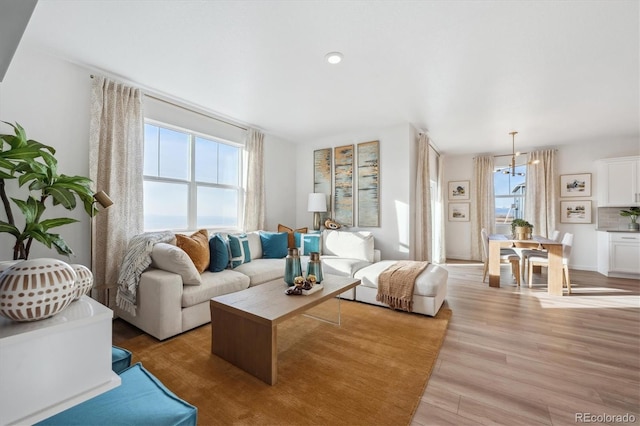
(467, 71)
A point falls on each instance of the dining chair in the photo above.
(567, 242)
(526, 253)
(507, 255)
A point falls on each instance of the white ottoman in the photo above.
(429, 293)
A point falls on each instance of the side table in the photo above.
(50, 365)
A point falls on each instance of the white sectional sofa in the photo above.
(171, 300)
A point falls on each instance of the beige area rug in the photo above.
(370, 370)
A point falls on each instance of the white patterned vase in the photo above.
(36, 289)
(84, 280)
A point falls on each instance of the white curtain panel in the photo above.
(439, 249)
(541, 192)
(254, 206)
(115, 166)
(423, 234)
(482, 204)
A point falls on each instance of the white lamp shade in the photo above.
(317, 202)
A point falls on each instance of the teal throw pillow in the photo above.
(219, 252)
(239, 249)
(274, 244)
(310, 243)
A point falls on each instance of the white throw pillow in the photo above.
(351, 245)
(173, 259)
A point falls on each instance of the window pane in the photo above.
(229, 161)
(509, 193)
(206, 161)
(165, 205)
(217, 207)
(151, 134)
(174, 154)
(509, 208)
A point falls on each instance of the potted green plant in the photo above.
(633, 213)
(521, 229)
(36, 169)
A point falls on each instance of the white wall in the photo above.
(572, 159)
(50, 98)
(396, 145)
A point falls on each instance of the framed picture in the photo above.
(575, 185)
(459, 190)
(369, 184)
(575, 211)
(458, 212)
(343, 178)
(322, 174)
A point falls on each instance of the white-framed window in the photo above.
(191, 181)
(509, 193)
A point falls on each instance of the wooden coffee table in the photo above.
(244, 324)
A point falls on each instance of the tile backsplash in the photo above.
(609, 218)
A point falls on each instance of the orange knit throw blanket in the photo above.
(397, 282)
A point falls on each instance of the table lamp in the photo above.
(317, 204)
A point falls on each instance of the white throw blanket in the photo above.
(136, 260)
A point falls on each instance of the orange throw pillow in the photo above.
(291, 236)
(197, 247)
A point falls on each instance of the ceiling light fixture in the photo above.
(333, 57)
(512, 167)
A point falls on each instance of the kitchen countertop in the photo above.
(617, 230)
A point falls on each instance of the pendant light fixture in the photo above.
(511, 170)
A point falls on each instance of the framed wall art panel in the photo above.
(369, 184)
(343, 196)
(322, 162)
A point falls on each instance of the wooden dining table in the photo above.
(554, 249)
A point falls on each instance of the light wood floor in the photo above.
(516, 356)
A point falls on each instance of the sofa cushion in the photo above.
(239, 249)
(292, 235)
(310, 243)
(342, 266)
(350, 245)
(197, 247)
(274, 244)
(427, 283)
(173, 259)
(219, 252)
(255, 244)
(214, 284)
(262, 270)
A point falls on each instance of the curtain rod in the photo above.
(190, 110)
(422, 132)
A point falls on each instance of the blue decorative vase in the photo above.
(292, 268)
(315, 266)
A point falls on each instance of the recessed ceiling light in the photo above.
(333, 57)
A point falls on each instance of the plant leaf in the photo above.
(52, 223)
(62, 196)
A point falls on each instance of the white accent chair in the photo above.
(507, 255)
(543, 260)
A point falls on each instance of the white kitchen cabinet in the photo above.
(619, 254)
(619, 182)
